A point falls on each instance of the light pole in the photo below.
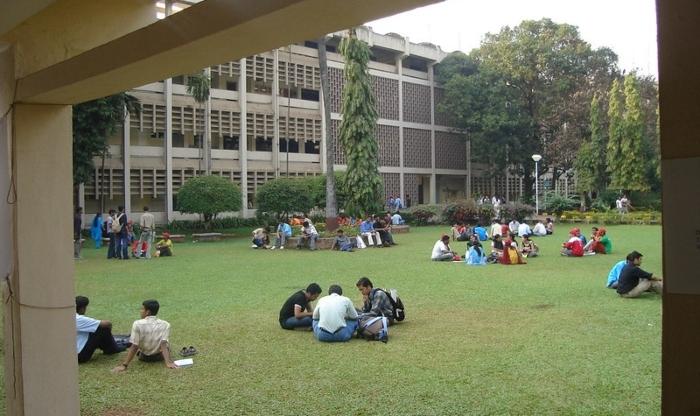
(537, 159)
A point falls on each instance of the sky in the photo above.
(628, 27)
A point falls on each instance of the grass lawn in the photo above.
(545, 338)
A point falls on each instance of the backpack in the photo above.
(116, 226)
(396, 304)
(374, 329)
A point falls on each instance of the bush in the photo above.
(283, 196)
(467, 211)
(423, 214)
(208, 196)
(317, 190)
(558, 203)
(516, 210)
(187, 226)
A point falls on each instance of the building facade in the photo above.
(266, 120)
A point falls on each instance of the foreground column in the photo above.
(41, 370)
(680, 147)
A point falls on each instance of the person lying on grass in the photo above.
(334, 318)
(296, 311)
(149, 338)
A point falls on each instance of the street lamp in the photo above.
(537, 159)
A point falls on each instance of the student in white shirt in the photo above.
(334, 317)
(442, 250)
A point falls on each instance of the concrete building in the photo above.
(272, 100)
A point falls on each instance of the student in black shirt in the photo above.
(296, 312)
(634, 281)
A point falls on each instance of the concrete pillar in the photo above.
(433, 175)
(679, 58)
(276, 114)
(324, 137)
(243, 138)
(399, 71)
(207, 129)
(168, 153)
(126, 158)
(40, 378)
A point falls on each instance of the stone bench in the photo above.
(321, 243)
(176, 238)
(400, 229)
(206, 237)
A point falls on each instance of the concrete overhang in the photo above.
(207, 33)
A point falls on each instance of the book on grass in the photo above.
(185, 362)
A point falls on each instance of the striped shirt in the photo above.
(148, 333)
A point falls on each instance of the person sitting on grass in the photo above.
(296, 311)
(511, 254)
(397, 219)
(614, 274)
(308, 236)
(573, 247)
(460, 232)
(495, 228)
(442, 250)
(634, 281)
(529, 248)
(513, 226)
(284, 231)
(334, 317)
(164, 247)
(539, 229)
(579, 234)
(549, 226)
(260, 238)
(480, 231)
(475, 255)
(92, 333)
(384, 231)
(496, 249)
(149, 338)
(342, 242)
(524, 230)
(375, 302)
(599, 244)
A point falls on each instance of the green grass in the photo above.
(546, 338)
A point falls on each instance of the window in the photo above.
(293, 146)
(263, 145)
(312, 147)
(178, 140)
(230, 143)
(311, 95)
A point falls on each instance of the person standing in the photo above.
(407, 201)
(113, 243)
(334, 319)
(96, 230)
(123, 234)
(77, 228)
(398, 204)
(147, 223)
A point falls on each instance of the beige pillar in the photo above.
(679, 60)
(276, 114)
(433, 175)
(41, 378)
(168, 154)
(243, 138)
(399, 72)
(126, 160)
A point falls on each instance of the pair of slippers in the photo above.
(188, 351)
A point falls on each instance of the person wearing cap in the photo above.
(634, 281)
(600, 243)
(442, 250)
(164, 247)
(573, 247)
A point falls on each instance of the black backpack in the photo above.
(396, 304)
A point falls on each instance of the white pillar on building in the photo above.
(433, 174)
(276, 113)
(126, 160)
(243, 137)
(399, 71)
(168, 151)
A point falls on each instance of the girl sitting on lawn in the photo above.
(529, 248)
(573, 247)
(599, 244)
(511, 254)
(475, 255)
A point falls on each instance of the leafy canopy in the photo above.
(284, 196)
(208, 196)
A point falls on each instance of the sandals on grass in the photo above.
(188, 351)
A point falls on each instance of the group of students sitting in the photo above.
(375, 229)
(335, 319)
(508, 251)
(578, 246)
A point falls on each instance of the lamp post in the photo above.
(537, 159)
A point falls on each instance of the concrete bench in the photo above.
(400, 229)
(176, 238)
(206, 237)
(321, 243)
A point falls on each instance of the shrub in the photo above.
(317, 190)
(558, 203)
(467, 211)
(423, 214)
(208, 196)
(187, 226)
(516, 210)
(280, 197)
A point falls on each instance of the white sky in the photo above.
(628, 27)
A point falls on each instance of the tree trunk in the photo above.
(331, 203)
(102, 185)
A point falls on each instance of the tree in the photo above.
(615, 133)
(632, 166)
(590, 161)
(93, 122)
(208, 196)
(363, 183)
(331, 203)
(284, 196)
(199, 86)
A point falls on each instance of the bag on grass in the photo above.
(396, 304)
(374, 328)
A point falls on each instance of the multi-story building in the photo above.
(266, 121)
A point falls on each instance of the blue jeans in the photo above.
(341, 335)
(112, 248)
(293, 322)
(123, 249)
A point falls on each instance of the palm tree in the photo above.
(199, 86)
(331, 203)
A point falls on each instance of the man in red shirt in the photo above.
(573, 247)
